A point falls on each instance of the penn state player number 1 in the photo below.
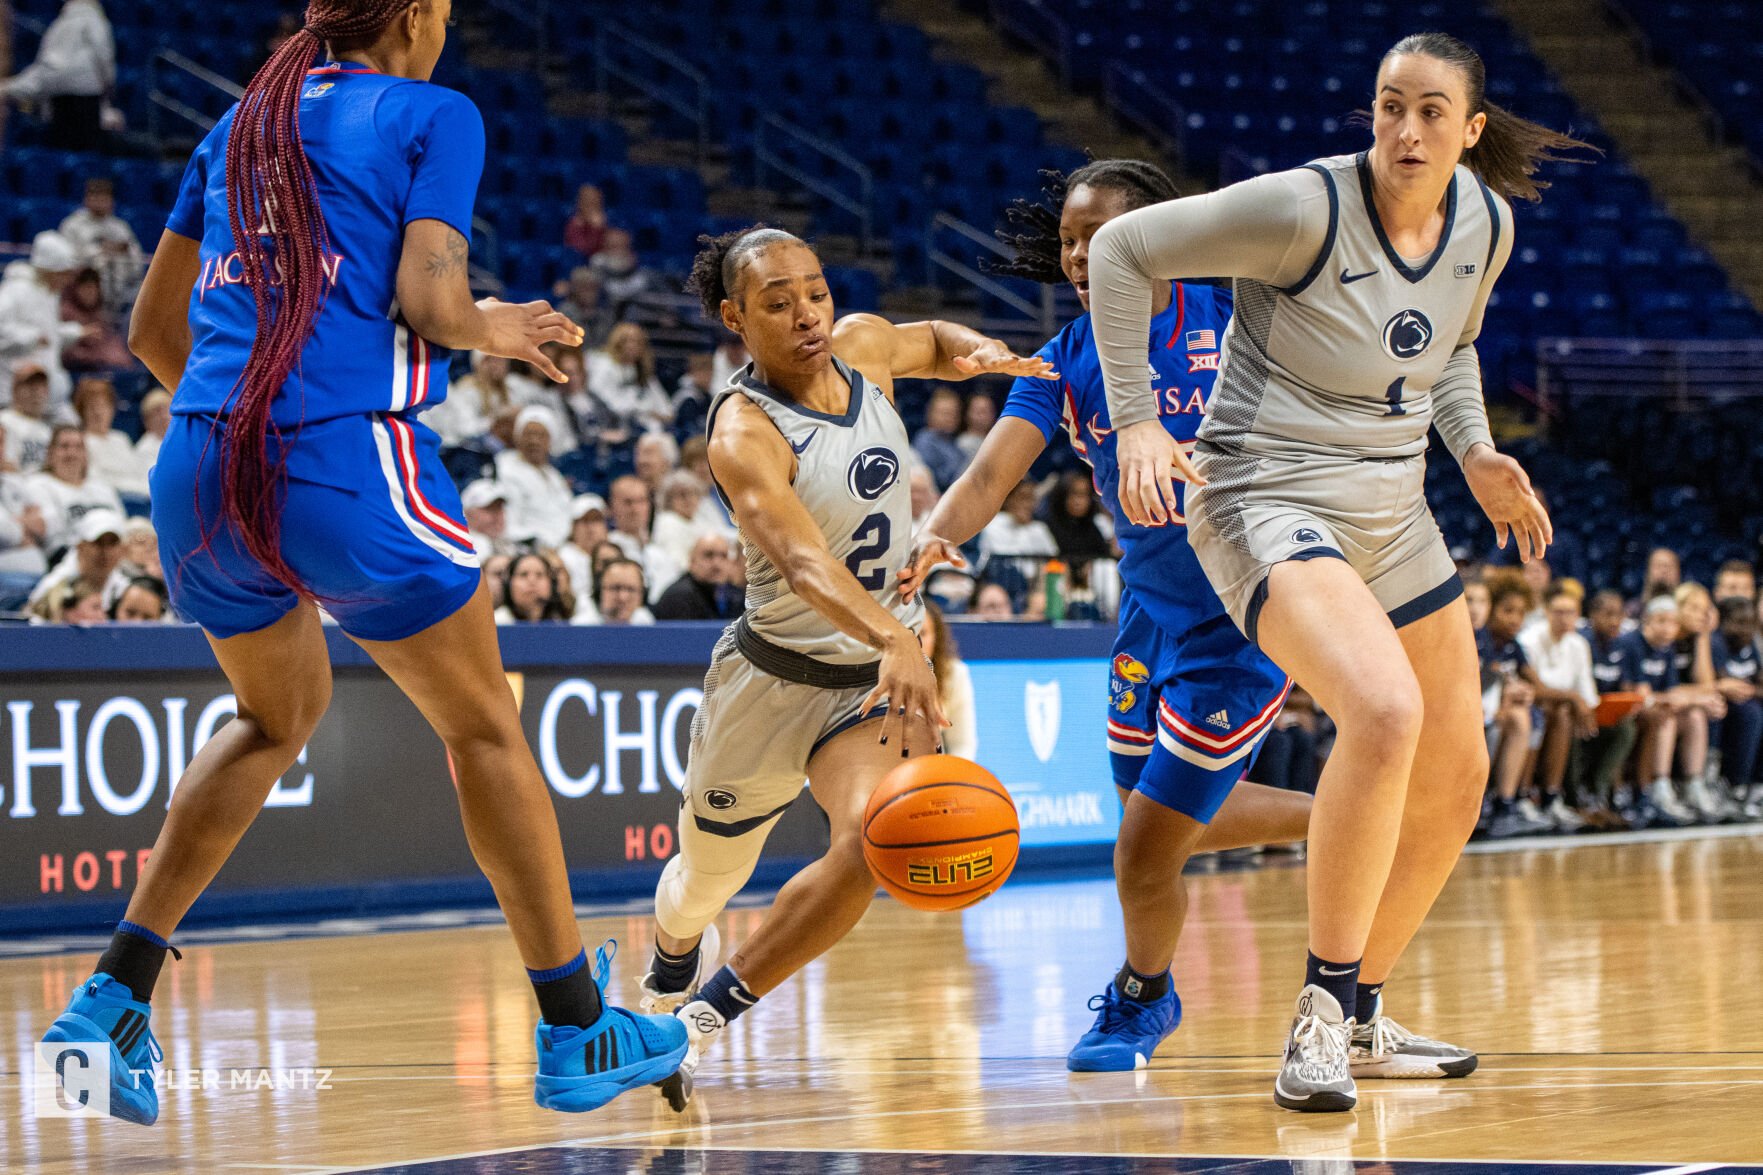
(875, 533)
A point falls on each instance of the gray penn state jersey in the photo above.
(1346, 359)
(851, 475)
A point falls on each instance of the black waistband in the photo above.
(799, 667)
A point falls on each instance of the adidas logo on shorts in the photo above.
(1221, 720)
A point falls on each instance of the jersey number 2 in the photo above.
(1394, 396)
(874, 534)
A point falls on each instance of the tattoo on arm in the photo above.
(453, 260)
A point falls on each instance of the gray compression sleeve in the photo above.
(1269, 229)
(1458, 409)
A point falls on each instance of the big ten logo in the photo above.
(614, 732)
(643, 842)
(119, 754)
(952, 870)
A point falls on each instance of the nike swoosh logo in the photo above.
(803, 447)
(1326, 971)
(1348, 279)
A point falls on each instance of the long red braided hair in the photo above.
(280, 233)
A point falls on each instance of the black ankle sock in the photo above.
(1340, 980)
(1142, 989)
(725, 992)
(134, 958)
(674, 972)
(568, 994)
(1368, 993)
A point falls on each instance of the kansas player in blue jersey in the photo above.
(1190, 699)
(302, 303)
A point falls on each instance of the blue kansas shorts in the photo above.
(370, 524)
(1187, 711)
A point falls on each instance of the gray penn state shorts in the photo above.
(1256, 512)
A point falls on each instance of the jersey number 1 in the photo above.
(1394, 396)
(874, 533)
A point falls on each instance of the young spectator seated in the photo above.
(1596, 768)
(620, 592)
(538, 495)
(101, 349)
(1738, 674)
(1701, 704)
(530, 593)
(27, 421)
(72, 601)
(65, 490)
(111, 453)
(991, 601)
(1650, 648)
(1736, 580)
(704, 591)
(143, 601)
(1561, 661)
(1506, 706)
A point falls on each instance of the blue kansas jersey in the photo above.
(1158, 564)
(385, 151)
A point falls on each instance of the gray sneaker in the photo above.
(1315, 1076)
(1382, 1048)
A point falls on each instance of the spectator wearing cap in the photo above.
(65, 488)
(486, 516)
(1736, 580)
(621, 376)
(75, 69)
(95, 557)
(111, 453)
(935, 443)
(155, 420)
(620, 592)
(587, 530)
(31, 326)
(538, 495)
(704, 591)
(27, 420)
(106, 243)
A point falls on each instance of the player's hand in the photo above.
(518, 330)
(1502, 488)
(1150, 465)
(994, 358)
(927, 553)
(909, 685)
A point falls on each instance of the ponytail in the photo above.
(271, 193)
(1510, 149)
(1032, 235)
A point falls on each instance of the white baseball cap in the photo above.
(54, 253)
(586, 504)
(98, 523)
(481, 493)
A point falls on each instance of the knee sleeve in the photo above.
(707, 872)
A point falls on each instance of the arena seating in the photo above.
(1718, 49)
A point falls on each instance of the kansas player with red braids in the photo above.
(303, 302)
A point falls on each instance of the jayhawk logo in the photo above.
(1129, 672)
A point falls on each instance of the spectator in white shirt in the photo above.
(27, 420)
(65, 490)
(1018, 535)
(474, 401)
(95, 557)
(620, 592)
(155, 420)
(694, 458)
(106, 243)
(1567, 693)
(31, 326)
(74, 70)
(587, 531)
(633, 509)
(22, 561)
(486, 516)
(622, 378)
(655, 456)
(538, 495)
(112, 454)
(676, 525)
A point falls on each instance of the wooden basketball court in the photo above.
(1612, 989)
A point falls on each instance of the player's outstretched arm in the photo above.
(434, 296)
(885, 351)
(753, 464)
(974, 500)
(159, 327)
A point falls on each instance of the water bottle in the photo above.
(1053, 583)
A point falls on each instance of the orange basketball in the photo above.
(940, 833)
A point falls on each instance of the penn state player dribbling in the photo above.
(1360, 285)
(822, 677)
(302, 303)
(1190, 699)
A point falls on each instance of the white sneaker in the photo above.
(1383, 1048)
(1564, 819)
(1315, 1076)
(1533, 815)
(703, 1024)
(1701, 800)
(655, 1002)
(1664, 798)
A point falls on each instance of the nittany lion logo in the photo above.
(1407, 335)
(873, 472)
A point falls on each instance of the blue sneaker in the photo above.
(104, 1011)
(582, 1069)
(1125, 1033)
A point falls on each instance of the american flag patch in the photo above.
(1202, 340)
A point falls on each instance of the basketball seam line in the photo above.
(997, 791)
(931, 844)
